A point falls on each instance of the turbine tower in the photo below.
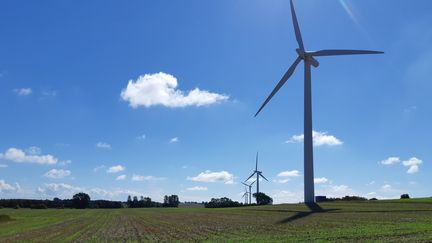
(257, 172)
(250, 190)
(308, 58)
(245, 195)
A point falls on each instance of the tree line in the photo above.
(82, 200)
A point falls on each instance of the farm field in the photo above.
(393, 220)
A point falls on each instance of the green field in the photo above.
(395, 221)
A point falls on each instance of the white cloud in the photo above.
(147, 178)
(19, 156)
(321, 180)
(121, 178)
(412, 164)
(161, 89)
(391, 161)
(141, 137)
(57, 174)
(103, 145)
(23, 91)
(208, 176)
(319, 139)
(49, 93)
(3, 166)
(174, 140)
(115, 169)
(197, 188)
(283, 196)
(7, 188)
(291, 173)
(286, 176)
(387, 187)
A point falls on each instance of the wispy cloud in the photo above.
(197, 188)
(285, 176)
(57, 174)
(147, 178)
(174, 140)
(98, 168)
(23, 91)
(391, 161)
(319, 139)
(32, 156)
(161, 89)
(121, 178)
(116, 169)
(208, 176)
(103, 145)
(321, 180)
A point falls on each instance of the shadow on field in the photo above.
(314, 208)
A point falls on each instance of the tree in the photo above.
(405, 196)
(262, 198)
(81, 200)
(129, 201)
(171, 201)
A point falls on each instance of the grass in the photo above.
(394, 221)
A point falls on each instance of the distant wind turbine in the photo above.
(257, 172)
(308, 58)
(250, 190)
(245, 195)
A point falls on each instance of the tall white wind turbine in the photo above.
(308, 58)
(257, 173)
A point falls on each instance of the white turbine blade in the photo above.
(263, 177)
(250, 176)
(281, 83)
(343, 52)
(296, 27)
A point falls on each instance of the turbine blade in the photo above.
(343, 52)
(263, 177)
(296, 27)
(281, 83)
(256, 162)
(252, 183)
(250, 176)
(244, 184)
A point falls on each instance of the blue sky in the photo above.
(158, 97)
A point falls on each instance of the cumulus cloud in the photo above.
(286, 176)
(321, 180)
(319, 139)
(147, 178)
(57, 174)
(23, 91)
(121, 178)
(32, 156)
(7, 188)
(208, 176)
(103, 145)
(161, 89)
(115, 169)
(412, 164)
(174, 140)
(197, 188)
(391, 161)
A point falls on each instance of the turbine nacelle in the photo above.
(307, 56)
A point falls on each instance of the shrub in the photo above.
(38, 206)
(262, 198)
(17, 206)
(405, 196)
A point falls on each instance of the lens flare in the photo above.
(349, 11)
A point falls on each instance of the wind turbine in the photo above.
(245, 196)
(308, 58)
(257, 172)
(250, 190)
